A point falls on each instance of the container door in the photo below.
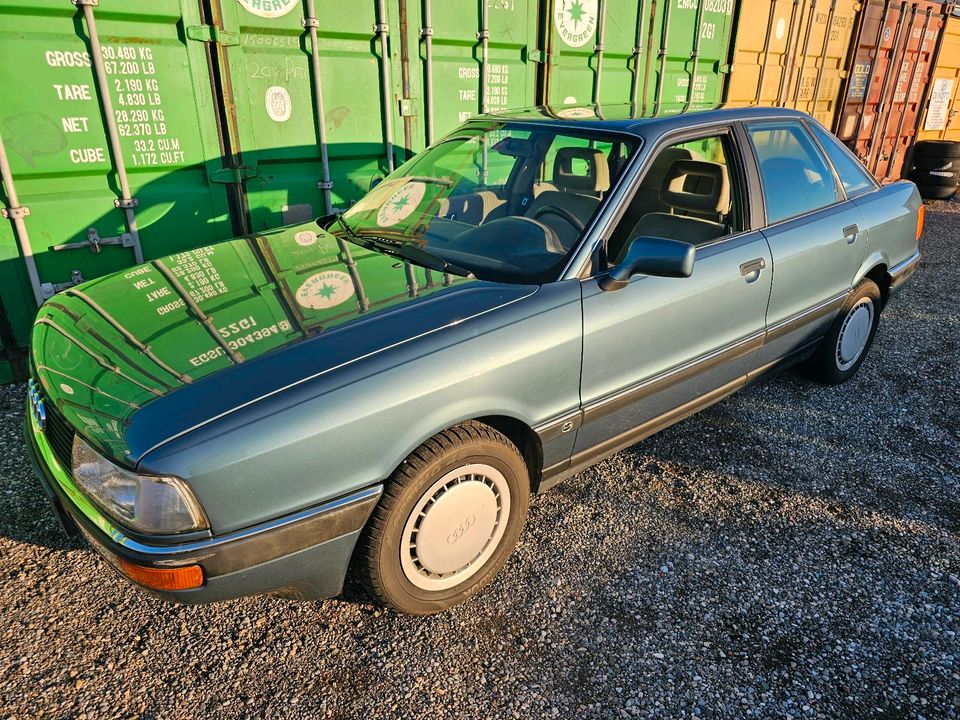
(85, 209)
(791, 55)
(887, 83)
(664, 57)
(369, 120)
(940, 121)
(451, 65)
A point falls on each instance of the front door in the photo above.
(660, 348)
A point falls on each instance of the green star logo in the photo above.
(401, 202)
(576, 12)
(326, 291)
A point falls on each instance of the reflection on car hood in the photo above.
(200, 332)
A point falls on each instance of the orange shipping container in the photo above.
(891, 57)
(940, 121)
(791, 53)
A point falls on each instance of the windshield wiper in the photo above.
(407, 251)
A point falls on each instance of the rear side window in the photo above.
(853, 176)
(796, 177)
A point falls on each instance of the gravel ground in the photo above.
(792, 552)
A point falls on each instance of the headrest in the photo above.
(596, 179)
(696, 186)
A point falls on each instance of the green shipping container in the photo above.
(228, 117)
(662, 57)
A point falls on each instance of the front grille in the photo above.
(60, 436)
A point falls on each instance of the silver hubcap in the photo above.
(455, 527)
(854, 333)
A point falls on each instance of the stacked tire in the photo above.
(935, 168)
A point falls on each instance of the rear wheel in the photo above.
(843, 349)
(449, 518)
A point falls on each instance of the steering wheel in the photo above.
(562, 213)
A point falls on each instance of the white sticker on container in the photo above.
(576, 112)
(576, 21)
(269, 8)
(305, 237)
(66, 388)
(325, 290)
(781, 28)
(569, 100)
(399, 205)
(278, 103)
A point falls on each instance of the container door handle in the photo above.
(751, 270)
(850, 232)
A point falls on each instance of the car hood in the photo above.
(135, 358)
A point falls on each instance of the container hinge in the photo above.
(212, 34)
(724, 68)
(325, 185)
(125, 203)
(229, 175)
(406, 107)
(310, 23)
(381, 28)
(483, 35)
(599, 47)
(15, 212)
(96, 243)
(80, 3)
(426, 32)
(48, 290)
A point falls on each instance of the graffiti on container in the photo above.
(286, 72)
(33, 134)
(576, 21)
(269, 39)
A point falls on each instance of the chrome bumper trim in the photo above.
(900, 272)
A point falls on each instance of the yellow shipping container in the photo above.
(940, 121)
(791, 53)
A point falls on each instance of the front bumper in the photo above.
(304, 555)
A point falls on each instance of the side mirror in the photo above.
(651, 256)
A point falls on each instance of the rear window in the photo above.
(796, 177)
(853, 175)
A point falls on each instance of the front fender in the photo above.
(351, 428)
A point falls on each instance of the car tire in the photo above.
(469, 484)
(936, 149)
(936, 163)
(845, 346)
(942, 178)
(937, 192)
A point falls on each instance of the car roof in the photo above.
(626, 118)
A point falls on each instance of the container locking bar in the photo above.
(50, 289)
(96, 243)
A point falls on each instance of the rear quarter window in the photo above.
(853, 175)
(796, 177)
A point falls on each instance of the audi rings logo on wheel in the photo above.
(467, 523)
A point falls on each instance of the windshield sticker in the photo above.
(401, 204)
(576, 21)
(325, 290)
(278, 103)
(269, 8)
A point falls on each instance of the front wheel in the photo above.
(448, 520)
(843, 349)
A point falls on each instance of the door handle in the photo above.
(850, 232)
(751, 270)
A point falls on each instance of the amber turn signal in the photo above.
(179, 578)
(920, 221)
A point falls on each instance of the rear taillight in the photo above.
(920, 221)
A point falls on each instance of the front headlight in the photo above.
(145, 503)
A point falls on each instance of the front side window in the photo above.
(690, 192)
(796, 177)
(853, 175)
(501, 201)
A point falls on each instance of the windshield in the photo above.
(506, 202)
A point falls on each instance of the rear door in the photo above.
(816, 235)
